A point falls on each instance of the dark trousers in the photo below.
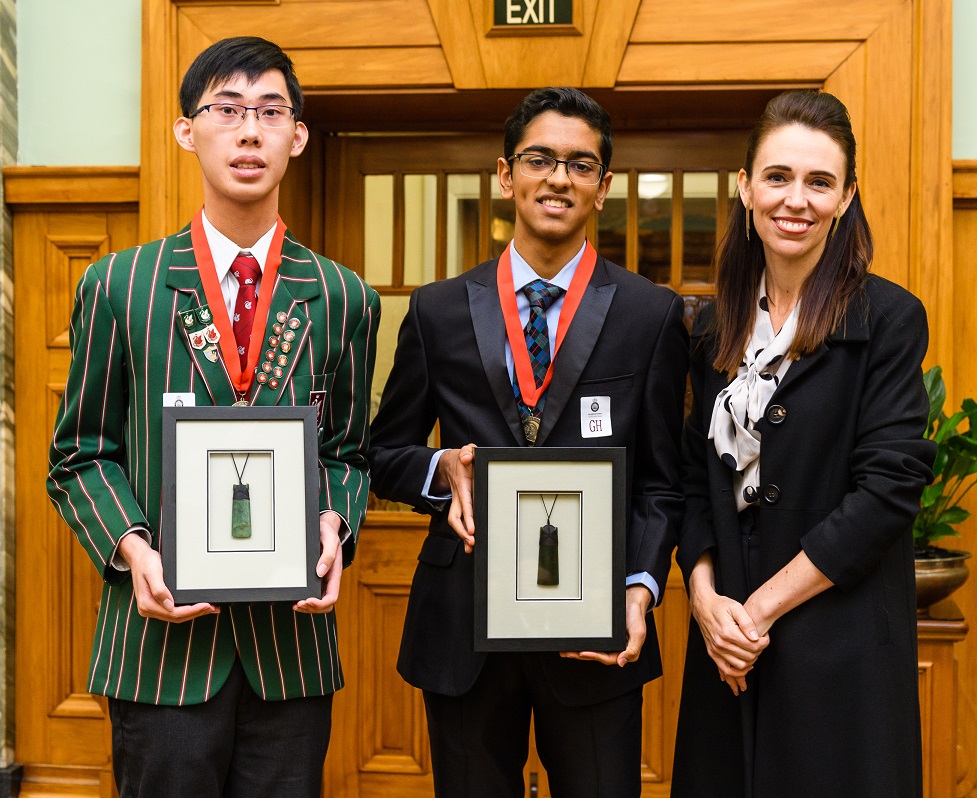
(233, 746)
(480, 740)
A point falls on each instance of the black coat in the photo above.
(628, 341)
(842, 466)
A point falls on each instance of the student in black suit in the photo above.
(455, 365)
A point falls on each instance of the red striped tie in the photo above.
(245, 269)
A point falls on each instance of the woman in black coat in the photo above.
(805, 463)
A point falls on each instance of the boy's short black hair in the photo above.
(250, 56)
(566, 101)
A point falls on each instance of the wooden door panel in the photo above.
(65, 261)
(392, 732)
(62, 731)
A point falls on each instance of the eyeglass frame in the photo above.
(244, 114)
(556, 163)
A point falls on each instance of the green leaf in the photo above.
(954, 515)
(948, 427)
(938, 530)
(931, 493)
(936, 391)
(961, 456)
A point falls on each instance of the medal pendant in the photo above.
(241, 403)
(548, 568)
(530, 428)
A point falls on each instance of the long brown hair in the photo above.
(842, 270)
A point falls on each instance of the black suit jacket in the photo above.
(627, 341)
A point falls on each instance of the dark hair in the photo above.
(250, 56)
(842, 270)
(566, 101)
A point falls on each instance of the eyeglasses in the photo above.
(233, 115)
(584, 173)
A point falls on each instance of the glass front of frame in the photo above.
(240, 503)
(549, 570)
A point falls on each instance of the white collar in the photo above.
(523, 274)
(224, 251)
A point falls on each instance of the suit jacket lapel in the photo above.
(483, 303)
(182, 275)
(577, 346)
(854, 328)
(297, 283)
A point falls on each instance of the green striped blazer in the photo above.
(128, 349)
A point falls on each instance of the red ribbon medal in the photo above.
(215, 299)
(516, 335)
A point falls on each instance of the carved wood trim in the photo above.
(964, 180)
(65, 260)
(70, 185)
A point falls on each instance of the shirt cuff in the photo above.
(117, 561)
(431, 469)
(646, 579)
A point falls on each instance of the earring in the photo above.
(834, 223)
(747, 207)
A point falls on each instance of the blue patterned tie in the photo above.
(541, 295)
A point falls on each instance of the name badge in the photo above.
(595, 416)
(318, 400)
(179, 400)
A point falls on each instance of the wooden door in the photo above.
(62, 733)
(405, 210)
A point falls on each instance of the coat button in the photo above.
(771, 494)
(776, 414)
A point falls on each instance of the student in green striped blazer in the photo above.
(207, 700)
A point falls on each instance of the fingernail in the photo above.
(320, 570)
(753, 635)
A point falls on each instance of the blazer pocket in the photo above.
(306, 384)
(438, 551)
(605, 385)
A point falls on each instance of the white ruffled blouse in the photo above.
(742, 403)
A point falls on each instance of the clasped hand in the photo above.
(733, 640)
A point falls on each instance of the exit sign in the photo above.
(533, 13)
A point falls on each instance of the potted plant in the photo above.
(940, 571)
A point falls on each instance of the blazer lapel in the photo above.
(577, 346)
(182, 275)
(483, 303)
(297, 283)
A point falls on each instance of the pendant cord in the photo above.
(240, 474)
(548, 512)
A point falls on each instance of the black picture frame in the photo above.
(514, 488)
(276, 564)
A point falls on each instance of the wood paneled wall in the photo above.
(888, 60)
(964, 380)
